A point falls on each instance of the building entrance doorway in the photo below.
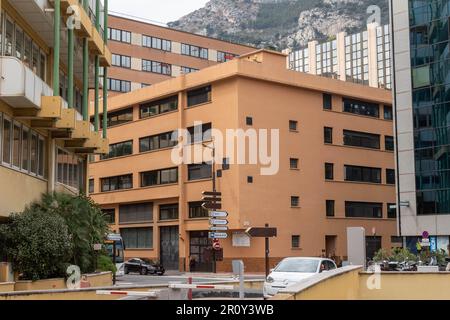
(169, 247)
(200, 250)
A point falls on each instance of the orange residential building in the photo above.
(335, 168)
(145, 53)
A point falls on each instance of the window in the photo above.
(396, 239)
(186, 70)
(159, 177)
(34, 154)
(294, 163)
(197, 211)
(69, 169)
(7, 140)
(119, 85)
(390, 176)
(199, 171)
(119, 150)
(224, 56)
(154, 108)
(9, 36)
(121, 61)
(295, 242)
(156, 43)
(361, 139)
(25, 149)
(362, 174)
(119, 117)
(117, 183)
(328, 135)
(200, 134)
(392, 210)
(91, 185)
(136, 213)
(199, 96)
(329, 171)
(293, 125)
(361, 108)
(157, 67)
(363, 210)
(194, 51)
(41, 159)
(389, 143)
(249, 179)
(160, 141)
(109, 215)
(225, 164)
(168, 212)
(119, 35)
(19, 43)
(249, 121)
(330, 205)
(16, 148)
(388, 115)
(137, 238)
(327, 101)
(295, 202)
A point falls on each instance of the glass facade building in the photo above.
(430, 71)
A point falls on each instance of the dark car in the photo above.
(143, 267)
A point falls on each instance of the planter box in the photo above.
(6, 286)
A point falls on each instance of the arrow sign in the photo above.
(211, 199)
(218, 214)
(218, 222)
(262, 232)
(215, 228)
(211, 206)
(211, 194)
(217, 235)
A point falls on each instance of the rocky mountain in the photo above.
(281, 23)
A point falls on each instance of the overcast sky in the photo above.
(156, 10)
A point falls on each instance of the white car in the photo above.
(293, 270)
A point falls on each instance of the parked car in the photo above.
(144, 267)
(293, 270)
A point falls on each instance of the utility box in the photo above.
(356, 246)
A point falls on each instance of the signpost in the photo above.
(266, 233)
(218, 235)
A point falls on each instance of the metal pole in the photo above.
(114, 262)
(105, 71)
(267, 254)
(214, 202)
(71, 49)
(56, 46)
(85, 79)
(97, 92)
(190, 290)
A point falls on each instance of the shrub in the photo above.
(104, 263)
(38, 244)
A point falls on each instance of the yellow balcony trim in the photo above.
(106, 58)
(85, 29)
(96, 44)
(104, 147)
(51, 107)
(67, 120)
(81, 130)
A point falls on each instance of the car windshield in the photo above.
(298, 265)
(147, 261)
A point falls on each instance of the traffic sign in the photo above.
(211, 206)
(218, 235)
(262, 232)
(216, 245)
(218, 222)
(216, 228)
(211, 199)
(211, 194)
(218, 214)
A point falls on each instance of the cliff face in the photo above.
(279, 23)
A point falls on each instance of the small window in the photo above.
(249, 121)
(249, 179)
(109, 215)
(396, 239)
(199, 171)
(168, 212)
(294, 163)
(295, 242)
(388, 115)
(330, 208)
(327, 101)
(389, 143)
(329, 171)
(328, 135)
(295, 202)
(392, 210)
(91, 185)
(226, 164)
(390, 176)
(293, 125)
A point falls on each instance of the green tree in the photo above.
(37, 243)
(85, 221)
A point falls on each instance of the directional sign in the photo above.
(211, 206)
(262, 232)
(218, 228)
(211, 199)
(217, 235)
(218, 222)
(211, 194)
(218, 214)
